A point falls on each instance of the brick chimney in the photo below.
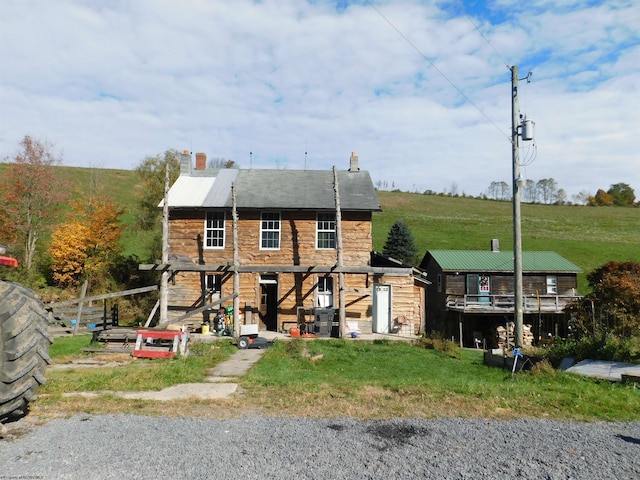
(353, 162)
(201, 161)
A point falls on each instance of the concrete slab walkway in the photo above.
(606, 370)
(220, 382)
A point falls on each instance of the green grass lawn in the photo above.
(400, 379)
(328, 378)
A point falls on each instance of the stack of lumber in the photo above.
(505, 336)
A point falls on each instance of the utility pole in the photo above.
(341, 297)
(517, 230)
(164, 279)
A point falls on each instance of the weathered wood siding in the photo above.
(502, 284)
(297, 247)
(297, 240)
(408, 297)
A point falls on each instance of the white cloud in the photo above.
(111, 83)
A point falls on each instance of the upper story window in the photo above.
(270, 230)
(326, 230)
(214, 230)
(552, 285)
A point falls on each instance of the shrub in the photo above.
(440, 344)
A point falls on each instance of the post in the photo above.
(80, 305)
(236, 264)
(517, 231)
(164, 279)
(342, 307)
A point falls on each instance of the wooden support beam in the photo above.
(104, 296)
(188, 267)
(195, 311)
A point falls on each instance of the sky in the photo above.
(421, 90)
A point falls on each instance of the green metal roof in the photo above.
(488, 261)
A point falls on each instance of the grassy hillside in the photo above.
(586, 236)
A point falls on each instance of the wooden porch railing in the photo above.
(502, 303)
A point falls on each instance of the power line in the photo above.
(438, 70)
(507, 64)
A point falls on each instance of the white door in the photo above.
(381, 308)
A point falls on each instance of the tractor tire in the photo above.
(24, 349)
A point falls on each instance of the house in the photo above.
(471, 297)
(273, 244)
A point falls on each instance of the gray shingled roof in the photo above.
(274, 189)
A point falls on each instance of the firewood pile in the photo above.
(505, 336)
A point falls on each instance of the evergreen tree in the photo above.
(400, 244)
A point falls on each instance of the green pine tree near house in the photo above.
(400, 244)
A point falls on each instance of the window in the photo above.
(326, 231)
(214, 230)
(213, 287)
(213, 283)
(552, 285)
(325, 292)
(270, 231)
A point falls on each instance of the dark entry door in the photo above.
(269, 302)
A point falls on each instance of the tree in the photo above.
(614, 304)
(222, 163)
(400, 244)
(151, 172)
(622, 194)
(529, 191)
(582, 197)
(87, 245)
(32, 193)
(68, 251)
(601, 199)
(547, 190)
(498, 190)
(561, 197)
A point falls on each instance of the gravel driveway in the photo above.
(129, 446)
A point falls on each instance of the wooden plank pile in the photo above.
(505, 337)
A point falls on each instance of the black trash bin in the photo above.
(323, 320)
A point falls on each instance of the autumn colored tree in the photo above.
(32, 193)
(601, 199)
(68, 250)
(87, 245)
(614, 304)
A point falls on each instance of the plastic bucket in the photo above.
(294, 332)
(205, 329)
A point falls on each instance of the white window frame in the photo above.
(552, 285)
(326, 231)
(214, 229)
(270, 226)
(325, 292)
